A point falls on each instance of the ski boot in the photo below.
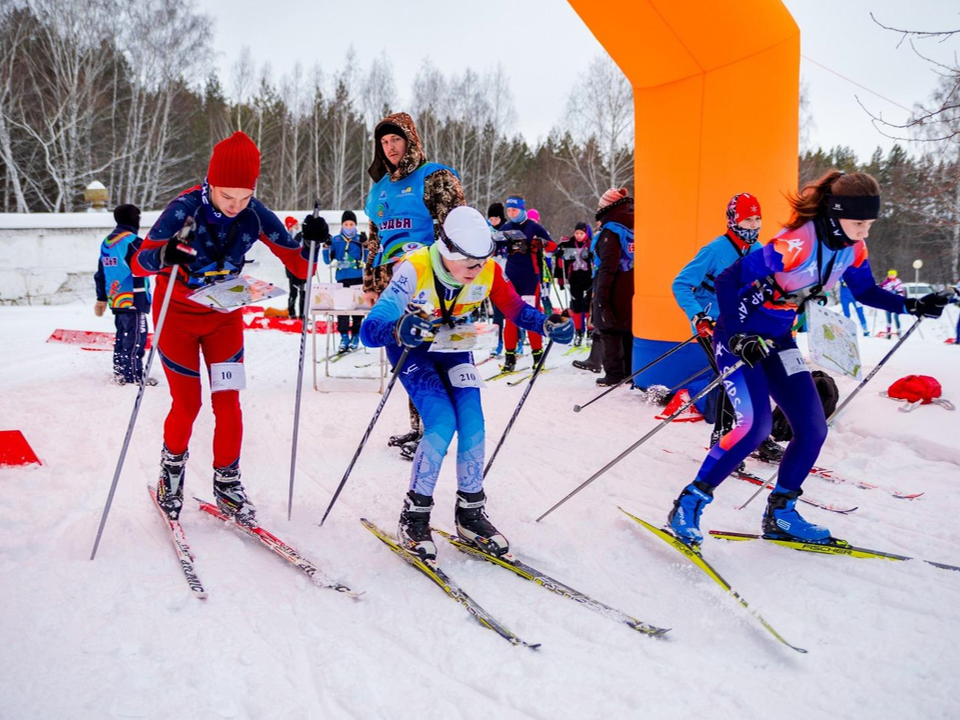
(509, 362)
(170, 483)
(537, 354)
(401, 440)
(474, 526)
(782, 521)
(684, 519)
(585, 365)
(769, 451)
(578, 339)
(344, 343)
(408, 450)
(231, 498)
(355, 342)
(413, 531)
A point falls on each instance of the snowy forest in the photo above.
(124, 93)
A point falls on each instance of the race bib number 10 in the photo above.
(227, 376)
(465, 375)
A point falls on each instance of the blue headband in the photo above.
(514, 201)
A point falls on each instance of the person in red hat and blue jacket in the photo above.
(229, 221)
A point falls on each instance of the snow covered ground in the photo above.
(122, 637)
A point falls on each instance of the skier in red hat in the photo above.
(229, 221)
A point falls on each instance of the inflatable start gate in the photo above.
(716, 91)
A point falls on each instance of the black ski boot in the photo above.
(769, 452)
(170, 483)
(474, 526)
(408, 451)
(537, 354)
(509, 361)
(401, 440)
(413, 531)
(578, 339)
(231, 498)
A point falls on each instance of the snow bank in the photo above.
(122, 638)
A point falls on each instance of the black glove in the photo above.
(749, 348)
(315, 229)
(704, 324)
(930, 305)
(177, 250)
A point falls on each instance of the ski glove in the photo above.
(749, 348)
(315, 229)
(177, 251)
(410, 329)
(559, 329)
(704, 325)
(930, 305)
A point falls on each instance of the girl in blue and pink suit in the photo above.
(759, 297)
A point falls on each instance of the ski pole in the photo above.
(646, 437)
(523, 399)
(846, 401)
(366, 435)
(183, 235)
(668, 353)
(303, 351)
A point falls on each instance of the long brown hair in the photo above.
(813, 196)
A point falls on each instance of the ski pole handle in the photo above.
(668, 353)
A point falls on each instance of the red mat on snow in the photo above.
(15, 450)
(88, 339)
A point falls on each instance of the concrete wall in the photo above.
(50, 258)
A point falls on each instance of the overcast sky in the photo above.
(544, 47)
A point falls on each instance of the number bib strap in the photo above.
(465, 375)
(227, 376)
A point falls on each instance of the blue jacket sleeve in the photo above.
(865, 289)
(326, 255)
(100, 281)
(377, 329)
(690, 278)
(732, 282)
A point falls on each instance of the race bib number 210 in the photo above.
(465, 375)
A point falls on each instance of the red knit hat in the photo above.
(235, 163)
(290, 222)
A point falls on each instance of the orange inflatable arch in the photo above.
(716, 98)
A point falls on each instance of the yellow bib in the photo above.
(471, 295)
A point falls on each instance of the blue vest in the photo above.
(403, 221)
(626, 243)
(118, 277)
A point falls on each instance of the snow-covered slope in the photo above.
(121, 637)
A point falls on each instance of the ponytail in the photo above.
(812, 198)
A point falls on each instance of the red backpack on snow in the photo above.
(918, 390)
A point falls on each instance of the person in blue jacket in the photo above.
(694, 289)
(434, 291)
(346, 249)
(759, 298)
(128, 297)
